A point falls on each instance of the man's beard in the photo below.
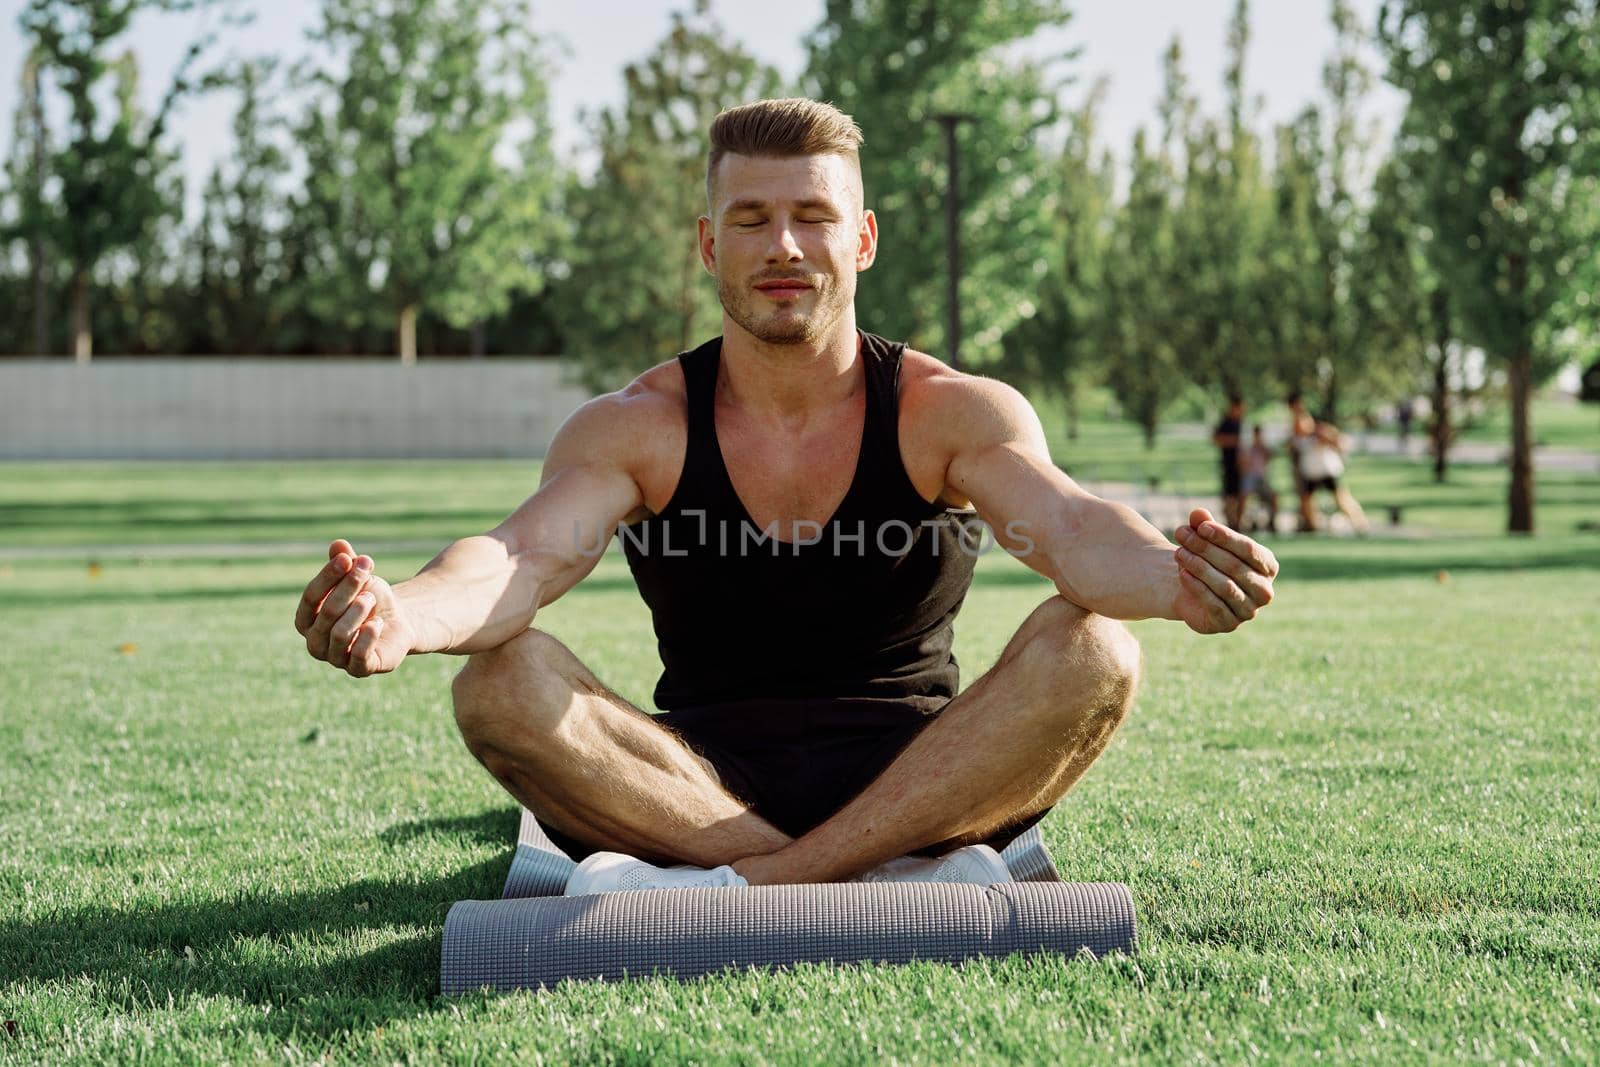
(784, 325)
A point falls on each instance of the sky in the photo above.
(1123, 41)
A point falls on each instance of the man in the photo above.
(1226, 438)
(796, 500)
(1316, 452)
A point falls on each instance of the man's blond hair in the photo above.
(781, 129)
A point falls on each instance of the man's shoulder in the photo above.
(652, 401)
(945, 399)
(633, 423)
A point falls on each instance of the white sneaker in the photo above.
(611, 872)
(976, 864)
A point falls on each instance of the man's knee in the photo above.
(500, 689)
(1082, 652)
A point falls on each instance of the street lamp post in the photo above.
(952, 217)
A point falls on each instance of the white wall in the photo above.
(281, 408)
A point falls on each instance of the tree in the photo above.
(1057, 341)
(1505, 95)
(1406, 304)
(1144, 369)
(637, 290)
(1221, 230)
(237, 242)
(894, 64)
(27, 171)
(431, 175)
(1297, 273)
(111, 177)
(1349, 350)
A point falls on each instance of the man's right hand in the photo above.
(351, 618)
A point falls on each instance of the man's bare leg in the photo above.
(588, 763)
(1009, 746)
(1350, 509)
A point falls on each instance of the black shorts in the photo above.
(1330, 483)
(797, 762)
(1230, 481)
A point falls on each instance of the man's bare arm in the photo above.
(1101, 555)
(483, 590)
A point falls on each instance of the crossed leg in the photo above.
(587, 762)
(592, 765)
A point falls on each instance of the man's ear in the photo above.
(867, 246)
(708, 246)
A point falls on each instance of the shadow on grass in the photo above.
(272, 949)
(490, 828)
(63, 598)
(224, 514)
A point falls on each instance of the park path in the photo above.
(1548, 458)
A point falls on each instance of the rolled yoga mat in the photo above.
(536, 937)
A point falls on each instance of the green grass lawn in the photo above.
(1557, 420)
(1364, 826)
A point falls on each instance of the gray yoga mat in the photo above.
(534, 936)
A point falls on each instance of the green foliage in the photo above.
(1323, 322)
(1145, 367)
(1505, 98)
(431, 177)
(637, 291)
(237, 298)
(893, 65)
(1222, 230)
(25, 216)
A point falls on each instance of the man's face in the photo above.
(785, 240)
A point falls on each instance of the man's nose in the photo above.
(783, 246)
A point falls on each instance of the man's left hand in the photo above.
(1224, 577)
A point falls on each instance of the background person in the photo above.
(1226, 437)
(1255, 481)
(1318, 452)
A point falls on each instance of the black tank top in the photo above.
(858, 607)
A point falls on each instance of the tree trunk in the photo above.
(406, 334)
(1074, 419)
(82, 338)
(479, 339)
(1521, 497)
(38, 252)
(1519, 512)
(1439, 429)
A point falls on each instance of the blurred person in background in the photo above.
(1255, 483)
(1227, 439)
(1317, 452)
